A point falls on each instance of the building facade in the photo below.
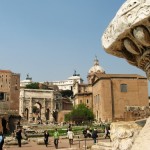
(114, 94)
(9, 92)
(83, 94)
(111, 95)
(67, 84)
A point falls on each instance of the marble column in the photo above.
(43, 111)
(51, 110)
(30, 110)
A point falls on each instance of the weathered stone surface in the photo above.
(123, 134)
(126, 144)
(13, 141)
(128, 34)
(143, 139)
(40, 141)
(102, 146)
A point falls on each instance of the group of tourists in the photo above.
(88, 133)
(56, 138)
(70, 136)
(18, 135)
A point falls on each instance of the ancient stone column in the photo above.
(43, 111)
(51, 110)
(21, 109)
(30, 110)
(128, 34)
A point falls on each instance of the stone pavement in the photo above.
(63, 145)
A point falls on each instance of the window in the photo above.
(57, 106)
(87, 101)
(1, 96)
(80, 101)
(123, 88)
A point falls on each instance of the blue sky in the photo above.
(49, 39)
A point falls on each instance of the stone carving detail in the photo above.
(142, 140)
(128, 34)
(123, 134)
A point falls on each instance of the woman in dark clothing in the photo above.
(19, 136)
(1, 140)
(46, 136)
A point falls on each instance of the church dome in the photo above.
(96, 68)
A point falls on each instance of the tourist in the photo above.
(70, 135)
(69, 127)
(56, 138)
(107, 132)
(85, 133)
(46, 136)
(19, 136)
(88, 133)
(94, 135)
(1, 140)
(18, 124)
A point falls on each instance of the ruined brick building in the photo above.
(111, 96)
(9, 96)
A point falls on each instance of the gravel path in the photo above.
(63, 144)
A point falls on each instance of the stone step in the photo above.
(102, 145)
(98, 147)
(69, 149)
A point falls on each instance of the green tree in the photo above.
(66, 93)
(68, 117)
(34, 85)
(35, 109)
(80, 114)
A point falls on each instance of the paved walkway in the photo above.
(63, 145)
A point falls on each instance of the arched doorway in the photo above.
(55, 115)
(36, 110)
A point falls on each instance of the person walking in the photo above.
(70, 135)
(19, 136)
(1, 140)
(46, 136)
(94, 135)
(107, 132)
(56, 138)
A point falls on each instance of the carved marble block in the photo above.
(128, 34)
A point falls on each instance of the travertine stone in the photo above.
(142, 141)
(128, 34)
(123, 135)
(40, 141)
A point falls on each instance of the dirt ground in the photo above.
(63, 145)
